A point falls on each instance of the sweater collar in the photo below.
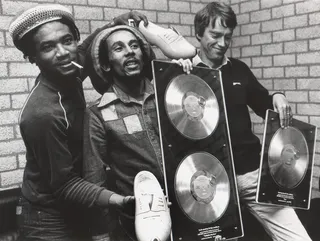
(197, 61)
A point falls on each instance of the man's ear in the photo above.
(105, 68)
(198, 37)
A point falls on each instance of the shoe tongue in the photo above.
(158, 204)
(152, 202)
(146, 203)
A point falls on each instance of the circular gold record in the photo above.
(288, 157)
(192, 106)
(202, 187)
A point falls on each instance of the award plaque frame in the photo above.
(196, 152)
(286, 164)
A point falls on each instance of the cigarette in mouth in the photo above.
(77, 65)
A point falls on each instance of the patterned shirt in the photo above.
(122, 133)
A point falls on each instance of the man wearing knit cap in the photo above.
(51, 124)
(120, 129)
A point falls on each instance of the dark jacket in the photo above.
(51, 124)
(106, 133)
(242, 90)
(120, 132)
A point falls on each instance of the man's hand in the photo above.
(281, 105)
(185, 63)
(134, 15)
(124, 204)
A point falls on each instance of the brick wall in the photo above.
(278, 39)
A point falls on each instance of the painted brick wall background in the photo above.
(278, 39)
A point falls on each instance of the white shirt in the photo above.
(196, 60)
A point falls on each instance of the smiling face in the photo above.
(124, 53)
(55, 48)
(214, 43)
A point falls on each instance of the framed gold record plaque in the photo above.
(196, 150)
(287, 163)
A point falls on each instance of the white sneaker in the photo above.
(152, 217)
(171, 43)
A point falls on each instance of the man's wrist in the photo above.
(103, 200)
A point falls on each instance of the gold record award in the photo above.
(288, 157)
(192, 106)
(202, 187)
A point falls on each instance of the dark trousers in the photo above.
(39, 223)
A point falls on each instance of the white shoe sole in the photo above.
(172, 44)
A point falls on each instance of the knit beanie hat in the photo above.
(36, 16)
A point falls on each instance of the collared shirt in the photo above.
(242, 89)
(122, 133)
(197, 61)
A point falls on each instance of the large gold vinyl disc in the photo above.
(191, 106)
(288, 157)
(202, 187)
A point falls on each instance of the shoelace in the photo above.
(151, 202)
